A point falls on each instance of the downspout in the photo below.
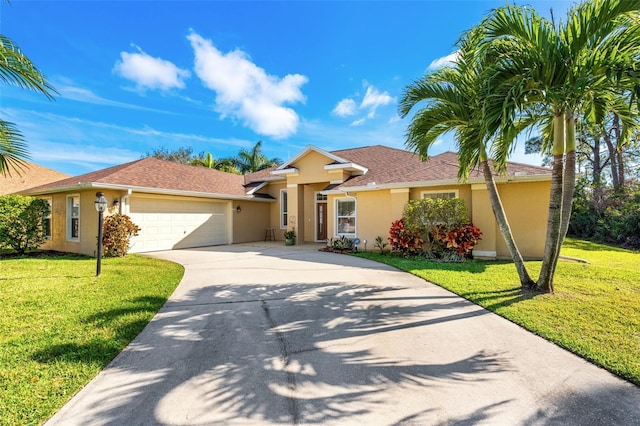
(123, 201)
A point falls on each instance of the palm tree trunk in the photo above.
(498, 211)
(568, 184)
(554, 221)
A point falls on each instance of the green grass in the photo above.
(60, 325)
(595, 311)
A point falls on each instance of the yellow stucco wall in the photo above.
(527, 207)
(311, 170)
(88, 226)
(250, 223)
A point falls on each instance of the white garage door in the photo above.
(172, 224)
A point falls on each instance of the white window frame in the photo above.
(48, 217)
(455, 192)
(70, 217)
(355, 217)
(284, 209)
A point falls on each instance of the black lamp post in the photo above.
(101, 206)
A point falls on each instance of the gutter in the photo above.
(130, 189)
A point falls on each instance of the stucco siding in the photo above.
(249, 224)
(311, 168)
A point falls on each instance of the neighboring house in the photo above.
(355, 192)
(30, 175)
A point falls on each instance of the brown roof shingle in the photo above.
(391, 165)
(157, 174)
(31, 175)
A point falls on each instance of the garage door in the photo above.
(171, 224)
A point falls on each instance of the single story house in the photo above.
(30, 175)
(353, 192)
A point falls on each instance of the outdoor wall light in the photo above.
(116, 202)
(101, 206)
(238, 209)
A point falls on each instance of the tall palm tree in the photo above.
(543, 71)
(17, 70)
(252, 160)
(454, 99)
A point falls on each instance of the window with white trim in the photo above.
(283, 209)
(46, 221)
(73, 217)
(446, 194)
(346, 216)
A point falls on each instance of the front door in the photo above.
(321, 221)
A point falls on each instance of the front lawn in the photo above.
(594, 313)
(60, 325)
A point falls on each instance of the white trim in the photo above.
(256, 188)
(49, 200)
(178, 192)
(455, 192)
(355, 216)
(315, 214)
(485, 253)
(282, 212)
(288, 171)
(69, 217)
(307, 149)
(353, 167)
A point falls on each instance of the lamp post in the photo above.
(101, 206)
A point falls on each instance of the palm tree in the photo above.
(541, 71)
(224, 164)
(249, 161)
(454, 99)
(17, 70)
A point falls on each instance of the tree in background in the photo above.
(17, 70)
(253, 160)
(247, 160)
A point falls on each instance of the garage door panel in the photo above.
(169, 224)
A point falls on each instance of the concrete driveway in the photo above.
(275, 335)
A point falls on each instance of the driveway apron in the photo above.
(270, 335)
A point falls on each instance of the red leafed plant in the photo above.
(461, 239)
(404, 241)
(117, 229)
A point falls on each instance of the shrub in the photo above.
(380, 244)
(117, 230)
(460, 240)
(21, 222)
(404, 241)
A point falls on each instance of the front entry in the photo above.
(321, 221)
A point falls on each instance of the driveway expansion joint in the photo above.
(284, 357)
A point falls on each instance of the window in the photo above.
(447, 194)
(346, 216)
(283, 209)
(321, 197)
(73, 217)
(46, 222)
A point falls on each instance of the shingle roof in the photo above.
(390, 165)
(31, 175)
(157, 174)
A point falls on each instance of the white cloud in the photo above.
(444, 61)
(372, 99)
(345, 108)
(246, 92)
(149, 72)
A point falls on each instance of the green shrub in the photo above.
(116, 232)
(21, 222)
(380, 244)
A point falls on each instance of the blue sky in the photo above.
(134, 76)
